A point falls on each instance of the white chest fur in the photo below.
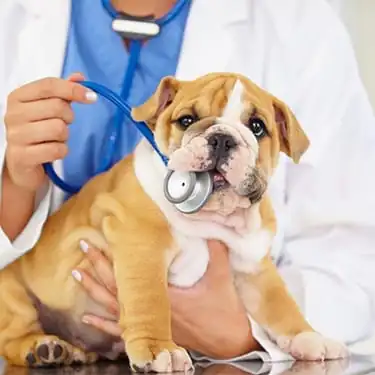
(191, 236)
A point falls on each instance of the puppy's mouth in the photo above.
(219, 181)
(230, 163)
(252, 185)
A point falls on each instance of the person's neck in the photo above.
(158, 8)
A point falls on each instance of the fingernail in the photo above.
(84, 246)
(91, 96)
(77, 275)
(86, 320)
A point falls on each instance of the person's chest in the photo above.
(101, 55)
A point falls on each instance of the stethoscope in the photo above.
(187, 191)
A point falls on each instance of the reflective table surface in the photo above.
(353, 366)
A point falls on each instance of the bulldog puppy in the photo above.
(221, 123)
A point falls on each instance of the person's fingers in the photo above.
(53, 88)
(25, 157)
(102, 266)
(217, 249)
(42, 110)
(96, 291)
(107, 326)
(38, 132)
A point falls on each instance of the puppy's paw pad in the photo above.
(311, 346)
(45, 351)
(51, 352)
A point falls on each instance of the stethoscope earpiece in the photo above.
(135, 28)
(188, 191)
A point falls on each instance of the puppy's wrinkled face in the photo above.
(226, 124)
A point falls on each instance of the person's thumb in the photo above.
(219, 259)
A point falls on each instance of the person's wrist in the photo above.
(7, 180)
(243, 342)
(236, 340)
(230, 336)
(17, 204)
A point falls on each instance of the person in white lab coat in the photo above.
(299, 51)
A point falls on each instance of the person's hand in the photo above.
(36, 126)
(101, 287)
(208, 318)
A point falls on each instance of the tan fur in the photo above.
(110, 210)
(113, 213)
(265, 295)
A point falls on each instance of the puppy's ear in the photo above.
(293, 140)
(157, 103)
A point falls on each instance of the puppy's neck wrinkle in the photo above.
(150, 172)
(238, 220)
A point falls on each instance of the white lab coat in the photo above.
(300, 51)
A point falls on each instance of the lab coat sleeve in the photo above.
(10, 251)
(328, 247)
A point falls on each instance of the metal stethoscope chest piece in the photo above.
(188, 191)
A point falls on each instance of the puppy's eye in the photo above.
(186, 121)
(257, 126)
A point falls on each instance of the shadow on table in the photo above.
(354, 366)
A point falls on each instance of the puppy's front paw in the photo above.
(312, 346)
(147, 355)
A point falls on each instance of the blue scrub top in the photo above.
(95, 50)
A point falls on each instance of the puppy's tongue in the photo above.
(192, 157)
(219, 181)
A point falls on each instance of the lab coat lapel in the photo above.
(41, 41)
(206, 47)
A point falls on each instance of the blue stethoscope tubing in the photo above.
(134, 53)
(123, 110)
(126, 111)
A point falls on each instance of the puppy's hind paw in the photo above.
(40, 350)
(312, 346)
(47, 351)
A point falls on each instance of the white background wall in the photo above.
(359, 17)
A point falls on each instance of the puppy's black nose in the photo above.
(221, 144)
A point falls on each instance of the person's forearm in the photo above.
(17, 206)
